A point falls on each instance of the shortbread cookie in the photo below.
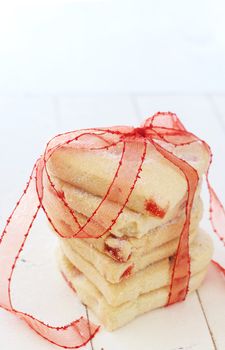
(116, 317)
(122, 248)
(129, 223)
(153, 277)
(114, 271)
(160, 188)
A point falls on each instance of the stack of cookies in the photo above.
(127, 271)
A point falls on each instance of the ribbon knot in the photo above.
(140, 131)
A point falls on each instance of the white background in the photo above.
(112, 46)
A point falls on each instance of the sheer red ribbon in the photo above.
(159, 130)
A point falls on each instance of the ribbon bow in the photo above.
(161, 131)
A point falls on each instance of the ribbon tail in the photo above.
(14, 236)
(12, 241)
(72, 336)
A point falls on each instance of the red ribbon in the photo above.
(40, 192)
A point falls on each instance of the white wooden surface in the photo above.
(26, 124)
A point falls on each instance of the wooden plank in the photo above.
(212, 298)
(199, 115)
(181, 326)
